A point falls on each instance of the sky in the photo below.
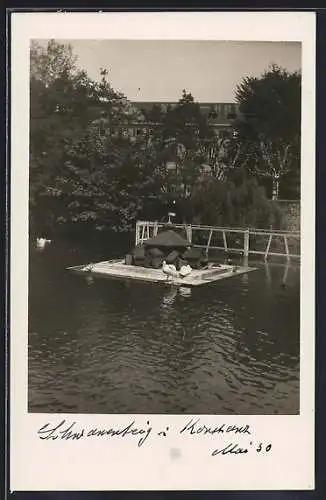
(156, 70)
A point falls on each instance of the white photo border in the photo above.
(114, 465)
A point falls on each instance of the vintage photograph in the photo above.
(164, 227)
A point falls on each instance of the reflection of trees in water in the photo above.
(262, 321)
(267, 317)
(59, 306)
(156, 324)
(189, 336)
(169, 325)
(260, 316)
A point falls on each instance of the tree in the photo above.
(104, 182)
(84, 170)
(62, 103)
(271, 123)
(50, 62)
(155, 114)
(224, 156)
(181, 145)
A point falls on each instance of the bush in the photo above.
(219, 203)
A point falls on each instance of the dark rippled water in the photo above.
(125, 347)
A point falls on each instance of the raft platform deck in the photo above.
(118, 269)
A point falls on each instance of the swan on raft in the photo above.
(185, 271)
(169, 270)
(41, 242)
(88, 267)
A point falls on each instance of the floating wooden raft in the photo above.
(118, 269)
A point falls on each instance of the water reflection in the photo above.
(185, 291)
(286, 272)
(268, 273)
(89, 279)
(120, 346)
(169, 296)
(173, 292)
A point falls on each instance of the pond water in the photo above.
(111, 346)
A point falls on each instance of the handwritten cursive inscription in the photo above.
(125, 431)
(194, 428)
(60, 431)
(233, 449)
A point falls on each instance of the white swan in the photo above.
(169, 270)
(88, 267)
(41, 242)
(185, 271)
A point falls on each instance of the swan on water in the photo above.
(169, 270)
(41, 242)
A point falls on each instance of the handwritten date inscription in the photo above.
(193, 428)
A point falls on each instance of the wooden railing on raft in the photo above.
(148, 229)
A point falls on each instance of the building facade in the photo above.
(144, 118)
(221, 116)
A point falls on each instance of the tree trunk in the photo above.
(275, 188)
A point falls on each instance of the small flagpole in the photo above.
(170, 214)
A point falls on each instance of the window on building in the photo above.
(171, 166)
(225, 134)
(213, 115)
(206, 170)
(227, 109)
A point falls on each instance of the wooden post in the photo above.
(268, 246)
(142, 234)
(209, 240)
(137, 234)
(286, 247)
(246, 243)
(155, 228)
(224, 241)
(189, 233)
